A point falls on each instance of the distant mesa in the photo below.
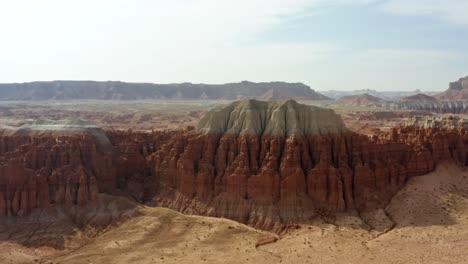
(385, 95)
(360, 99)
(277, 118)
(457, 91)
(420, 97)
(91, 90)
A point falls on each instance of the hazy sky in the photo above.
(327, 44)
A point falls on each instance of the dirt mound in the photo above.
(276, 118)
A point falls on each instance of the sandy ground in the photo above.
(426, 222)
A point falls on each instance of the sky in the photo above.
(326, 44)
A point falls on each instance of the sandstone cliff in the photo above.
(262, 164)
(50, 163)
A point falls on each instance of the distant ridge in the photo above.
(418, 98)
(71, 90)
(360, 99)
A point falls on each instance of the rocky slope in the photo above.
(454, 100)
(457, 91)
(386, 95)
(420, 97)
(439, 123)
(361, 99)
(68, 90)
(440, 107)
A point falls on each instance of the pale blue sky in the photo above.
(327, 44)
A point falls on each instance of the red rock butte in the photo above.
(270, 163)
(262, 163)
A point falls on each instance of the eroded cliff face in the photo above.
(41, 167)
(264, 164)
(244, 170)
(134, 172)
(265, 180)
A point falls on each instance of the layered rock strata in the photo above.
(457, 90)
(270, 163)
(44, 164)
(133, 169)
(261, 163)
(441, 107)
(91, 90)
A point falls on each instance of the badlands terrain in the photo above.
(181, 177)
(426, 222)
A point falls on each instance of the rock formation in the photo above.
(261, 163)
(361, 99)
(69, 90)
(271, 163)
(454, 100)
(441, 107)
(439, 123)
(420, 97)
(46, 163)
(457, 91)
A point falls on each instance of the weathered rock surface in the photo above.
(439, 123)
(245, 164)
(133, 170)
(43, 164)
(457, 91)
(453, 100)
(261, 163)
(441, 107)
(277, 118)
